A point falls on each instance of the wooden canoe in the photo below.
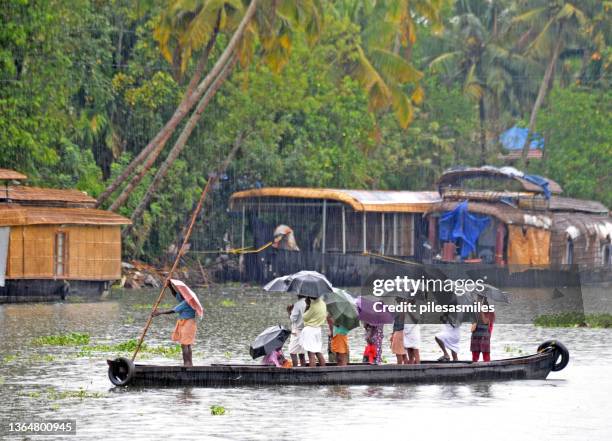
(123, 372)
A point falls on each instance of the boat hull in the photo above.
(531, 367)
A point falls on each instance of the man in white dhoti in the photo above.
(449, 338)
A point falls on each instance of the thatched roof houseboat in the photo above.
(53, 242)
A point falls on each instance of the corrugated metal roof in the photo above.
(20, 193)
(9, 175)
(359, 200)
(12, 215)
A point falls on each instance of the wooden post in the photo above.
(365, 247)
(395, 234)
(343, 230)
(324, 225)
(432, 231)
(243, 226)
(382, 233)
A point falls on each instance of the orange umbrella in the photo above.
(188, 295)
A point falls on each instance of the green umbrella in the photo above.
(341, 306)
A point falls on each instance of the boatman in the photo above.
(186, 326)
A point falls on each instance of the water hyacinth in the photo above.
(72, 339)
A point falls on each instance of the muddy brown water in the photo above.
(53, 382)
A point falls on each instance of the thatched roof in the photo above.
(358, 200)
(11, 175)
(14, 215)
(455, 176)
(46, 196)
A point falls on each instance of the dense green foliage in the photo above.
(84, 86)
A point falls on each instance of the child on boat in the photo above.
(481, 334)
(339, 342)
(374, 338)
(276, 358)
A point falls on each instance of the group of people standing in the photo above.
(449, 338)
(306, 343)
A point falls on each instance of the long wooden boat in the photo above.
(551, 356)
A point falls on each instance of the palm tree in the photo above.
(377, 61)
(490, 73)
(557, 23)
(183, 30)
(146, 158)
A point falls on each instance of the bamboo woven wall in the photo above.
(92, 252)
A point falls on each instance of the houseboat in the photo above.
(53, 243)
(521, 232)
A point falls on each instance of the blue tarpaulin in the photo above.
(461, 224)
(540, 181)
(514, 139)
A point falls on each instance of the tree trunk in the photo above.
(181, 142)
(144, 169)
(483, 134)
(550, 69)
(183, 109)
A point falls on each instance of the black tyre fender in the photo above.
(561, 353)
(121, 371)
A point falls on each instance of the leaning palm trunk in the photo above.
(181, 142)
(155, 152)
(159, 141)
(550, 70)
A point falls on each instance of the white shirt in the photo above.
(297, 314)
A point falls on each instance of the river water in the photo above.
(54, 382)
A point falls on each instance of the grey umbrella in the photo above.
(269, 340)
(307, 283)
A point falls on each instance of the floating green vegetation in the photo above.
(76, 299)
(217, 410)
(513, 349)
(574, 320)
(72, 339)
(129, 346)
(227, 303)
(227, 354)
(147, 306)
(9, 358)
(2, 381)
(44, 358)
(129, 320)
(52, 394)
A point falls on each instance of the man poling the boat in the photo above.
(185, 330)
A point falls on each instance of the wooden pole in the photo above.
(395, 234)
(343, 230)
(365, 246)
(242, 232)
(209, 184)
(324, 227)
(382, 233)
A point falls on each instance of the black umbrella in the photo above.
(269, 340)
(308, 285)
(281, 284)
